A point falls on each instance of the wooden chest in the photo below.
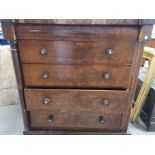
(76, 75)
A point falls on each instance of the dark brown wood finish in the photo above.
(9, 31)
(75, 120)
(84, 21)
(138, 60)
(145, 30)
(76, 52)
(76, 58)
(79, 100)
(20, 86)
(145, 33)
(71, 132)
(77, 33)
(91, 76)
(151, 43)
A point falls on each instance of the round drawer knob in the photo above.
(106, 76)
(105, 102)
(45, 75)
(43, 51)
(50, 118)
(101, 119)
(109, 52)
(46, 100)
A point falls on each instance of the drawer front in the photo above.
(75, 121)
(70, 52)
(77, 33)
(97, 76)
(66, 100)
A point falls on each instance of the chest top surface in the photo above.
(84, 21)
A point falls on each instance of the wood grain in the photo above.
(77, 33)
(77, 76)
(83, 21)
(70, 52)
(75, 61)
(75, 120)
(9, 31)
(150, 43)
(68, 100)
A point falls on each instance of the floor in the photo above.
(11, 122)
(8, 86)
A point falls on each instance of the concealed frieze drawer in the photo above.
(77, 33)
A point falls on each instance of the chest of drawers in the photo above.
(76, 75)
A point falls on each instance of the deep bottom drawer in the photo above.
(75, 121)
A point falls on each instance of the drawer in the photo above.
(66, 100)
(76, 52)
(97, 76)
(75, 120)
(77, 33)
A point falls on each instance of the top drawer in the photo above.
(77, 52)
(74, 44)
(77, 33)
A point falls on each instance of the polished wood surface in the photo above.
(77, 33)
(75, 120)
(81, 100)
(82, 21)
(151, 43)
(70, 52)
(61, 66)
(77, 76)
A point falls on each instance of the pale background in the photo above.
(8, 87)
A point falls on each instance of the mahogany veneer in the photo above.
(76, 75)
